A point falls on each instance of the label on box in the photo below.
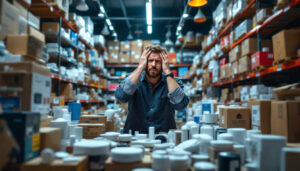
(256, 115)
(10, 103)
(40, 93)
(56, 100)
(36, 142)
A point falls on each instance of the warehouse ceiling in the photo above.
(165, 13)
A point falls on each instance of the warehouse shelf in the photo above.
(64, 40)
(88, 46)
(85, 101)
(58, 77)
(273, 69)
(94, 68)
(64, 60)
(136, 65)
(226, 30)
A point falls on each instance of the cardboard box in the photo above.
(261, 59)
(136, 45)
(249, 46)
(67, 91)
(146, 43)
(50, 138)
(46, 122)
(244, 65)
(114, 166)
(135, 56)
(285, 119)
(93, 119)
(261, 115)
(125, 46)
(34, 83)
(57, 165)
(110, 126)
(124, 57)
(9, 19)
(36, 34)
(229, 12)
(113, 45)
(52, 27)
(23, 14)
(237, 117)
(288, 92)
(113, 56)
(33, 21)
(290, 159)
(172, 57)
(92, 130)
(285, 44)
(24, 45)
(263, 14)
(234, 68)
(235, 53)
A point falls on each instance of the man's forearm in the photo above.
(135, 75)
(172, 84)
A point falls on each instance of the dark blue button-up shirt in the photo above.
(151, 105)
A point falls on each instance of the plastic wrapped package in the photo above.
(243, 28)
(238, 7)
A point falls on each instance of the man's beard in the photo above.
(151, 74)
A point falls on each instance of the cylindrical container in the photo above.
(72, 130)
(126, 154)
(126, 138)
(151, 133)
(207, 129)
(179, 162)
(219, 131)
(97, 152)
(193, 130)
(78, 132)
(240, 149)
(57, 112)
(113, 136)
(204, 142)
(210, 118)
(184, 134)
(204, 166)
(199, 158)
(225, 136)
(136, 133)
(178, 137)
(141, 136)
(163, 146)
(249, 144)
(160, 161)
(171, 136)
(221, 145)
(62, 124)
(238, 135)
(229, 161)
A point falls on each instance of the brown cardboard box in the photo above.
(23, 14)
(234, 68)
(110, 126)
(263, 14)
(125, 46)
(285, 119)
(50, 138)
(135, 56)
(124, 57)
(244, 65)
(114, 166)
(9, 19)
(237, 117)
(286, 43)
(36, 34)
(113, 45)
(288, 92)
(67, 91)
(93, 119)
(136, 45)
(50, 27)
(57, 165)
(46, 122)
(92, 130)
(103, 82)
(261, 115)
(33, 21)
(228, 70)
(237, 93)
(298, 53)
(235, 53)
(146, 43)
(8, 143)
(113, 56)
(229, 12)
(24, 45)
(249, 46)
(34, 83)
(291, 158)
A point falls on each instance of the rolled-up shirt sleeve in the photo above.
(125, 90)
(129, 87)
(177, 97)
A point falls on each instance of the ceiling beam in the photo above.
(125, 13)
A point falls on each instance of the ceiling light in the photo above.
(149, 13)
(179, 28)
(102, 9)
(101, 15)
(177, 43)
(180, 37)
(105, 31)
(185, 15)
(168, 42)
(108, 22)
(116, 39)
(129, 37)
(149, 29)
(199, 17)
(111, 28)
(197, 3)
(115, 34)
(82, 6)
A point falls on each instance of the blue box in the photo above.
(182, 71)
(75, 109)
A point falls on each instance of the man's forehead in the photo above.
(154, 56)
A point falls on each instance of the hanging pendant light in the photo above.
(177, 43)
(105, 31)
(130, 37)
(180, 37)
(197, 3)
(199, 17)
(82, 6)
(168, 42)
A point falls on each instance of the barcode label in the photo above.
(255, 115)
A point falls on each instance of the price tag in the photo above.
(279, 68)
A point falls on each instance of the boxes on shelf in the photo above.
(224, 94)
(263, 14)
(244, 65)
(238, 7)
(135, 57)
(57, 100)
(50, 138)
(125, 46)
(136, 45)
(67, 91)
(25, 128)
(113, 56)
(8, 19)
(225, 42)
(288, 92)
(92, 130)
(182, 71)
(172, 57)
(243, 28)
(236, 117)
(237, 93)
(285, 44)
(259, 59)
(124, 57)
(249, 46)
(235, 53)
(103, 82)
(234, 68)
(93, 119)
(29, 87)
(261, 115)
(285, 119)
(52, 27)
(33, 21)
(146, 43)
(229, 12)
(223, 61)
(23, 14)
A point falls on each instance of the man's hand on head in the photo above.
(144, 58)
(165, 63)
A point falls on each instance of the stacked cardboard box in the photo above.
(261, 115)
(225, 94)
(235, 117)
(136, 50)
(113, 51)
(9, 19)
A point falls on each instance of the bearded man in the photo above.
(152, 93)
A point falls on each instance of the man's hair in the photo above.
(156, 48)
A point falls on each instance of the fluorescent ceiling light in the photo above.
(101, 15)
(149, 29)
(108, 22)
(111, 28)
(185, 15)
(102, 9)
(149, 13)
